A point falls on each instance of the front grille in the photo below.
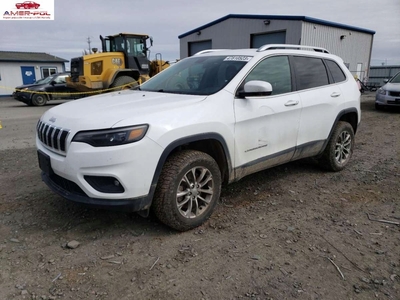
(394, 94)
(54, 138)
(393, 102)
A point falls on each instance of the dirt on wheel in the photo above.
(290, 232)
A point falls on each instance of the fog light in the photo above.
(105, 184)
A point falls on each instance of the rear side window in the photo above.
(336, 71)
(310, 72)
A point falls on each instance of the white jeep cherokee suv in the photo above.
(208, 120)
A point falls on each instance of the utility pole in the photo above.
(89, 41)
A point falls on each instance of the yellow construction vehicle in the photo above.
(123, 63)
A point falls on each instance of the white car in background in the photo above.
(389, 94)
(208, 120)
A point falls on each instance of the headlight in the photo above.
(381, 91)
(112, 137)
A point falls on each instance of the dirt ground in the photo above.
(291, 232)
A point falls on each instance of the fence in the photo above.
(377, 75)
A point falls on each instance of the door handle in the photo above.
(335, 94)
(291, 103)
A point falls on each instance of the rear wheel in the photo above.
(123, 83)
(39, 99)
(188, 190)
(339, 149)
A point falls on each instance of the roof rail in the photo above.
(208, 50)
(287, 46)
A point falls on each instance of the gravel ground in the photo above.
(291, 232)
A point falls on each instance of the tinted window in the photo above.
(310, 72)
(276, 71)
(395, 79)
(336, 71)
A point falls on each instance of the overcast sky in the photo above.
(76, 20)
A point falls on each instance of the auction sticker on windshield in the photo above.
(238, 58)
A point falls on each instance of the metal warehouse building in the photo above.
(352, 44)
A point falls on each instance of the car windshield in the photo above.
(197, 75)
(395, 79)
(44, 80)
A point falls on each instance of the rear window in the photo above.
(336, 71)
(310, 72)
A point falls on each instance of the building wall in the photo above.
(377, 74)
(235, 33)
(355, 48)
(10, 74)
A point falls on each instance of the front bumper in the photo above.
(387, 100)
(21, 96)
(128, 165)
(63, 188)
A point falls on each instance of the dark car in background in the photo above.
(43, 90)
(389, 94)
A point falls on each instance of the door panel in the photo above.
(265, 131)
(319, 113)
(319, 101)
(266, 127)
(60, 88)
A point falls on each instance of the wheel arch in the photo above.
(211, 143)
(347, 115)
(350, 116)
(46, 93)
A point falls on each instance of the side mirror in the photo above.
(385, 80)
(53, 82)
(255, 88)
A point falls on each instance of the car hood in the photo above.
(30, 86)
(117, 109)
(393, 87)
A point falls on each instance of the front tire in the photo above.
(188, 190)
(123, 83)
(340, 148)
(39, 99)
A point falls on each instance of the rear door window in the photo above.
(310, 72)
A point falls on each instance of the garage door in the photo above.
(258, 40)
(195, 47)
